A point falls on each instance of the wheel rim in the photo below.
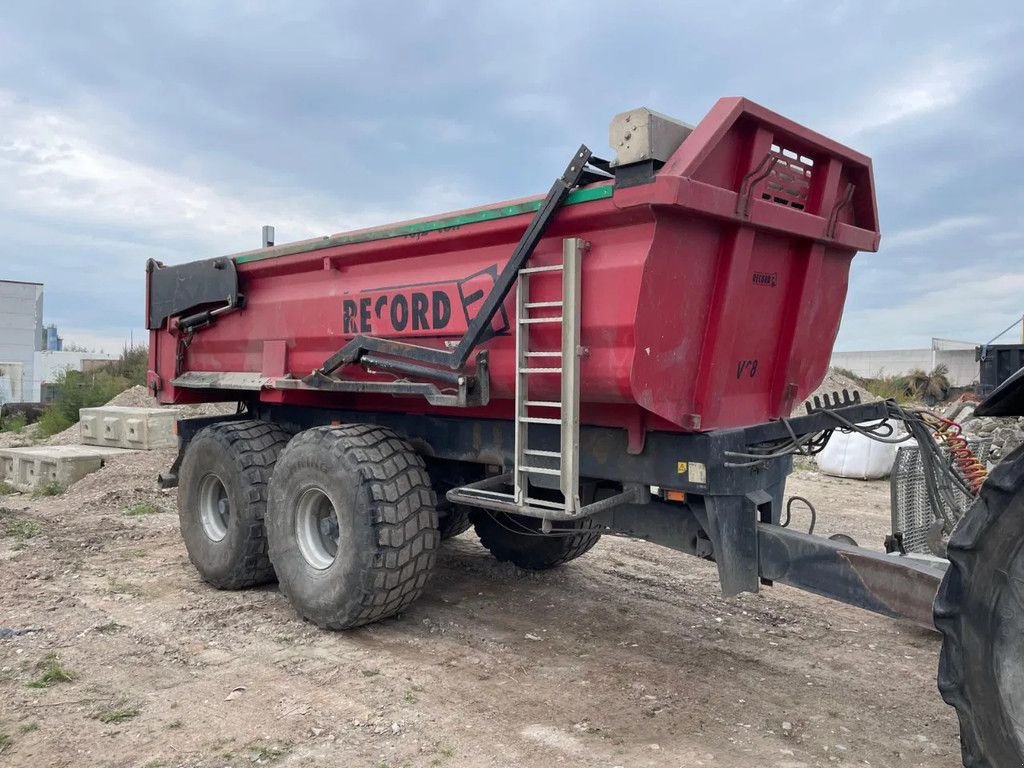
(214, 507)
(316, 529)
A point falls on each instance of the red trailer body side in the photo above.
(711, 296)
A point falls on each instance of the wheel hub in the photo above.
(214, 507)
(316, 529)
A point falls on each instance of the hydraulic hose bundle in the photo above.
(950, 466)
(970, 468)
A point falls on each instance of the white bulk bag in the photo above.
(850, 454)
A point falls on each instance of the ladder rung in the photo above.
(543, 404)
(544, 503)
(537, 320)
(540, 470)
(538, 420)
(531, 270)
(540, 370)
(484, 492)
(541, 304)
(545, 454)
(542, 354)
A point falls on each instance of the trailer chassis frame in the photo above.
(732, 517)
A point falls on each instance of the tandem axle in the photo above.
(682, 491)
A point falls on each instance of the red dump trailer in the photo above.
(621, 355)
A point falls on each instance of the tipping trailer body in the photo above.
(670, 309)
(711, 292)
(668, 314)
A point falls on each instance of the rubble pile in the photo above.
(1005, 433)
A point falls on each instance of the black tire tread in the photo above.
(558, 550)
(966, 554)
(404, 513)
(255, 446)
(454, 521)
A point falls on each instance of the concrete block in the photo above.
(28, 468)
(116, 426)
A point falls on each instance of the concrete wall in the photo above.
(49, 365)
(21, 329)
(963, 368)
(11, 379)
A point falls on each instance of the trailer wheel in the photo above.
(222, 499)
(453, 520)
(980, 611)
(352, 525)
(518, 539)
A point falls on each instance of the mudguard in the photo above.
(1006, 400)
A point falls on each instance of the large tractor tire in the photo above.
(518, 539)
(980, 611)
(352, 525)
(222, 500)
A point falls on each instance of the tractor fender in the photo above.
(1005, 400)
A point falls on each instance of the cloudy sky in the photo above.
(175, 130)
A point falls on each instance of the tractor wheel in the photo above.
(352, 525)
(518, 539)
(980, 611)
(222, 499)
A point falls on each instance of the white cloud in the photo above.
(51, 165)
(941, 228)
(938, 83)
(55, 164)
(958, 304)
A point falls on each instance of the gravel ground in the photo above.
(626, 657)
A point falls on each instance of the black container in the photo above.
(997, 363)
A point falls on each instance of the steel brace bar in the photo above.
(456, 358)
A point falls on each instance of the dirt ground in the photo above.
(626, 657)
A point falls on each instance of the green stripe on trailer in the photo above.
(489, 214)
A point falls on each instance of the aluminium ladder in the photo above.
(530, 362)
(529, 460)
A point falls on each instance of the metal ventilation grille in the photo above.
(911, 513)
(789, 181)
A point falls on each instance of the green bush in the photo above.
(132, 365)
(76, 390)
(916, 385)
(14, 423)
(49, 488)
(883, 387)
(51, 422)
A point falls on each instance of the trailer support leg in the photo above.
(731, 524)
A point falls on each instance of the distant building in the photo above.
(32, 357)
(48, 366)
(21, 335)
(51, 341)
